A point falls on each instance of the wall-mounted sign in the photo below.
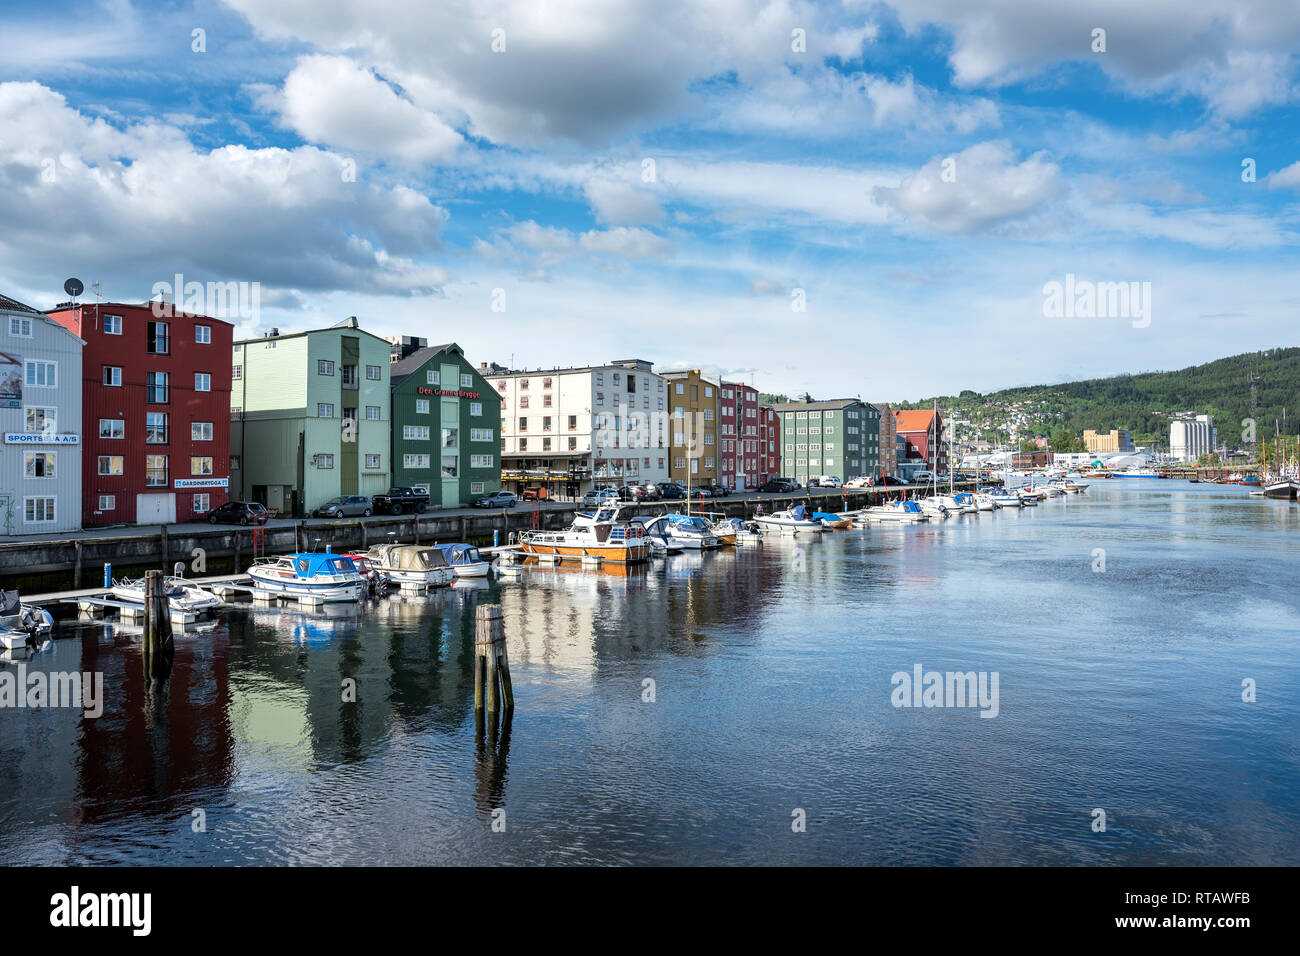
(201, 483)
(11, 380)
(40, 438)
(449, 392)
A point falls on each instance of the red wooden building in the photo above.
(922, 429)
(769, 430)
(741, 459)
(156, 411)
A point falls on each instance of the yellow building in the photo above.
(1117, 440)
(693, 427)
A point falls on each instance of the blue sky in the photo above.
(668, 180)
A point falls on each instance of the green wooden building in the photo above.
(446, 435)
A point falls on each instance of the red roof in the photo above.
(916, 420)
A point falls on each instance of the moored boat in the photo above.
(896, 511)
(466, 560)
(374, 580)
(1283, 488)
(607, 533)
(794, 521)
(21, 623)
(411, 565)
(320, 577)
(182, 595)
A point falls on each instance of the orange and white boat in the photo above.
(605, 533)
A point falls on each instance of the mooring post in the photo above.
(151, 589)
(76, 570)
(238, 536)
(491, 663)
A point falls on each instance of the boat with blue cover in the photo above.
(465, 560)
(322, 577)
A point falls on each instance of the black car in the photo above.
(238, 512)
(711, 491)
(669, 491)
(780, 486)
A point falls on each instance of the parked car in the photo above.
(599, 496)
(779, 486)
(862, 481)
(829, 481)
(345, 506)
(501, 499)
(923, 478)
(401, 499)
(711, 491)
(893, 480)
(671, 491)
(646, 492)
(238, 512)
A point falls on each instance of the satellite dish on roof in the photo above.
(74, 287)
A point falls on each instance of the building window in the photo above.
(451, 438)
(200, 431)
(480, 461)
(40, 420)
(20, 326)
(236, 372)
(476, 487)
(235, 411)
(422, 406)
(202, 382)
(546, 444)
(573, 444)
(110, 464)
(200, 465)
(546, 401)
(372, 413)
(325, 461)
(324, 367)
(449, 465)
(155, 471)
(38, 509)
(373, 373)
(155, 388)
(112, 325)
(157, 341)
(38, 464)
(203, 336)
(234, 462)
(112, 428)
(523, 401)
(431, 378)
(372, 461)
(325, 410)
(415, 461)
(107, 502)
(600, 378)
(523, 444)
(476, 408)
(523, 424)
(481, 434)
(415, 432)
(155, 428)
(349, 376)
(202, 503)
(42, 374)
(466, 381)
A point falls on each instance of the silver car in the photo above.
(345, 506)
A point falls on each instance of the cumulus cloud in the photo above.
(978, 188)
(1286, 178)
(617, 203)
(331, 100)
(545, 246)
(1235, 55)
(141, 202)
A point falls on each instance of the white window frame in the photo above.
(202, 381)
(203, 334)
(53, 508)
(52, 368)
(17, 323)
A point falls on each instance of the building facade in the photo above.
(446, 424)
(1190, 439)
(742, 454)
(769, 445)
(922, 433)
(569, 430)
(1116, 440)
(155, 398)
(310, 417)
(840, 437)
(40, 419)
(888, 441)
(693, 431)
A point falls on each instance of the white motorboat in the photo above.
(896, 511)
(1006, 499)
(320, 577)
(656, 532)
(786, 522)
(181, 594)
(985, 502)
(466, 560)
(411, 565)
(934, 506)
(21, 622)
(608, 533)
(692, 532)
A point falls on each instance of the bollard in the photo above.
(496, 539)
(108, 575)
(492, 685)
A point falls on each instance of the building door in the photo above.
(7, 518)
(450, 446)
(273, 498)
(155, 509)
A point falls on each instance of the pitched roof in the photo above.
(913, 420)
(804, 406)
(13, 305)
(412, 363)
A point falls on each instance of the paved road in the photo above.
(122, 531)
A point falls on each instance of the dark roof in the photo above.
(412, 363)
(13, 305)
(803, 406)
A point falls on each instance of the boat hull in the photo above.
(325, 591)
(619, 554)
(1282, 490)
(790, 527)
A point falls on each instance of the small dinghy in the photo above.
(181, 594)
(21, 624)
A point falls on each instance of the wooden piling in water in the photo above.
(492, 686)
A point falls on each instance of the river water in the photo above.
(728, 708)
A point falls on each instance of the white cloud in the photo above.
(1286, 178)
(988, 187)
(617, 203)
(146, 195)
(332, 101)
